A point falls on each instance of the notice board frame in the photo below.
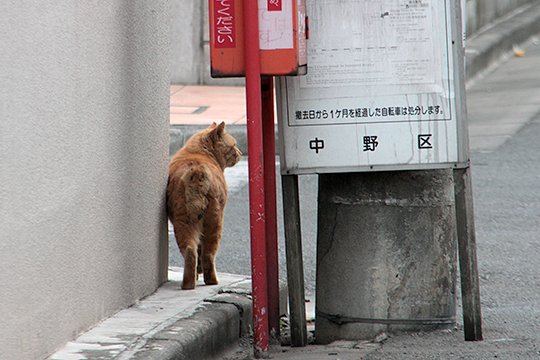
(298, 139)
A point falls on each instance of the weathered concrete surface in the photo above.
(174, 323)
(482, 13)
(84, 115)
(142, 328)
(186, 31)
(206, 333)
(485, 49)
(386, 249)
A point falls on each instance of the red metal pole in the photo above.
(256, 178)
(272, 264)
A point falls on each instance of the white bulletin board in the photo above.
(383, 91)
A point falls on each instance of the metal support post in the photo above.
(295, 266)
(470, 286)
(272, 263)
(256, 179)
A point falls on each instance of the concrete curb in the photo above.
(482, 52)
(489, 46)
(210, 330)
(171, 323)
(217, 325)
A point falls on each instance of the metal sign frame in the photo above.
(311, 143)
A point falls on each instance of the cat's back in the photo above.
(185, 163)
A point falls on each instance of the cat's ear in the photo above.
(221, 128)
(217, 131)
(212, 126)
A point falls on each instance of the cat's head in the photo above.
(223, 145)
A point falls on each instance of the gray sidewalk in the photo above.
(173, 324)
(503, 104)
(149, 326)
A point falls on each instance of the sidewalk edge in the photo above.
(485, 49)
(212, 329)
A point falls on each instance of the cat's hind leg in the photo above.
(199, 261)
(190, 264)
(187, 238)
(213, 224)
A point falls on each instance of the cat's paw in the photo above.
(188, 285)
(211, 279)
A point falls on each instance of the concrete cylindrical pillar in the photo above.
(386, 253)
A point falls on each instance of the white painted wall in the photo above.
(186, 29)
(190, 45)
(84, 92)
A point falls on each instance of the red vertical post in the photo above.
(272, 264)
(256, 178)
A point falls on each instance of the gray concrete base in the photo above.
(386, 248)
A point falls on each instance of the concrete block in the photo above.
(386, 249)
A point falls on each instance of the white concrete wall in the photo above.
(190, 44)
(186, 27)
(83, 156)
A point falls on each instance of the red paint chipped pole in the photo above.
(272, 264)
(256, 178)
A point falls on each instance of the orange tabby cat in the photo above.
(196, 197)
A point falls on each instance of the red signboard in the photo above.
(225, 24)
(274, 5)
(281, 30)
